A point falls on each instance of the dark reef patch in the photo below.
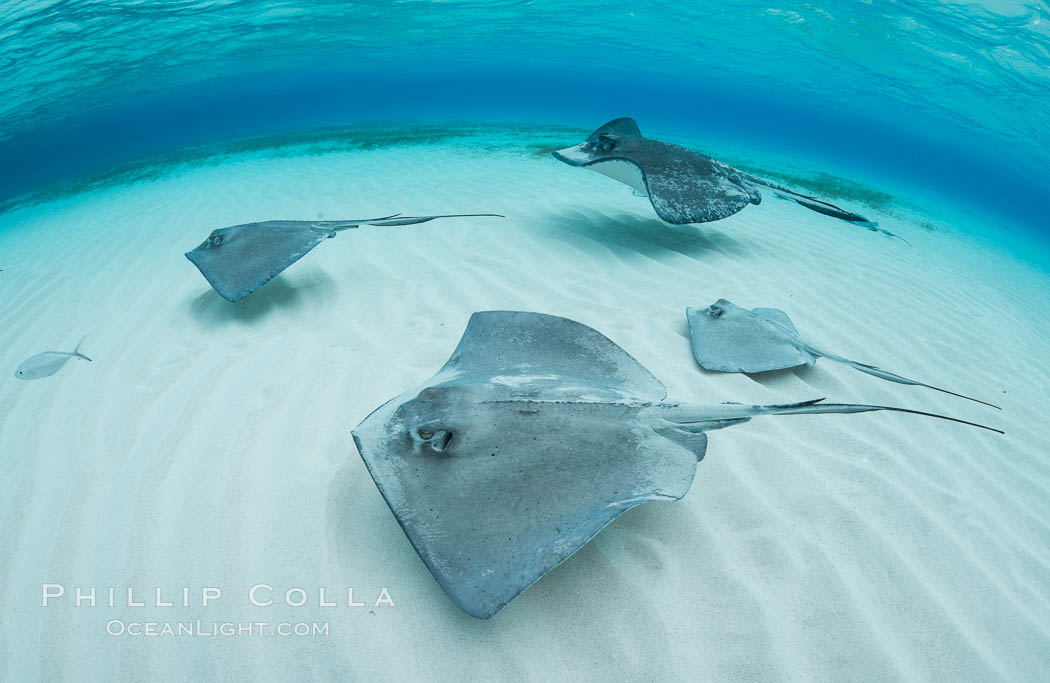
(521, 139)
(513, 139)
(825, 185)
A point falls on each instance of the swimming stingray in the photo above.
(240, 259)
(683, 186)
(728, 338)
(535, 434)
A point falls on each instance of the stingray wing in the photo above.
(533, 355)
(240, 259)
(624, 125)
(683, 186)
(687, 187)
(775, 315)
(728, 338)
(535, 464)
(520, 488)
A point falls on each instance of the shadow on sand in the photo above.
(211, 310)
(783, 379)
(628, 234)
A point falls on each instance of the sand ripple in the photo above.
(208, 444)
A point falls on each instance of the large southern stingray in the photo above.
(683, 186)
(728, 338)
(240, 259)
(535, 434)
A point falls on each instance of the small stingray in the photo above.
(535, 434)
(48, 363)
(240, 259)
(682, 185)
(728, 338)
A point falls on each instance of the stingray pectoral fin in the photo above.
(537, 355)
(624, 125)
(777, 316)
(682, 185)
(680, 193)
(727, 338)
(520, 486)
(693, 188)
(238, 260)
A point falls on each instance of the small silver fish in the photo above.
(47, 363)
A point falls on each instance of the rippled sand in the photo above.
(208, 444)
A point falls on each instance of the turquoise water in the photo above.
(207, 444)
(949, 98)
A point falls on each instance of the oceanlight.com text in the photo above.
(213, 629)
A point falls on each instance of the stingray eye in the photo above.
(215, 240)
(425, 434)
(715, 310)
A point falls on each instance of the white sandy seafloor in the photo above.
(208, 444)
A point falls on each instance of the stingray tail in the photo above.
(812, 203)
(817, 406)
(883, 374)
(412, 220)
(705, 418)
(339, 226)
(76, 351)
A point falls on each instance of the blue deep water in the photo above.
(947, 97)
